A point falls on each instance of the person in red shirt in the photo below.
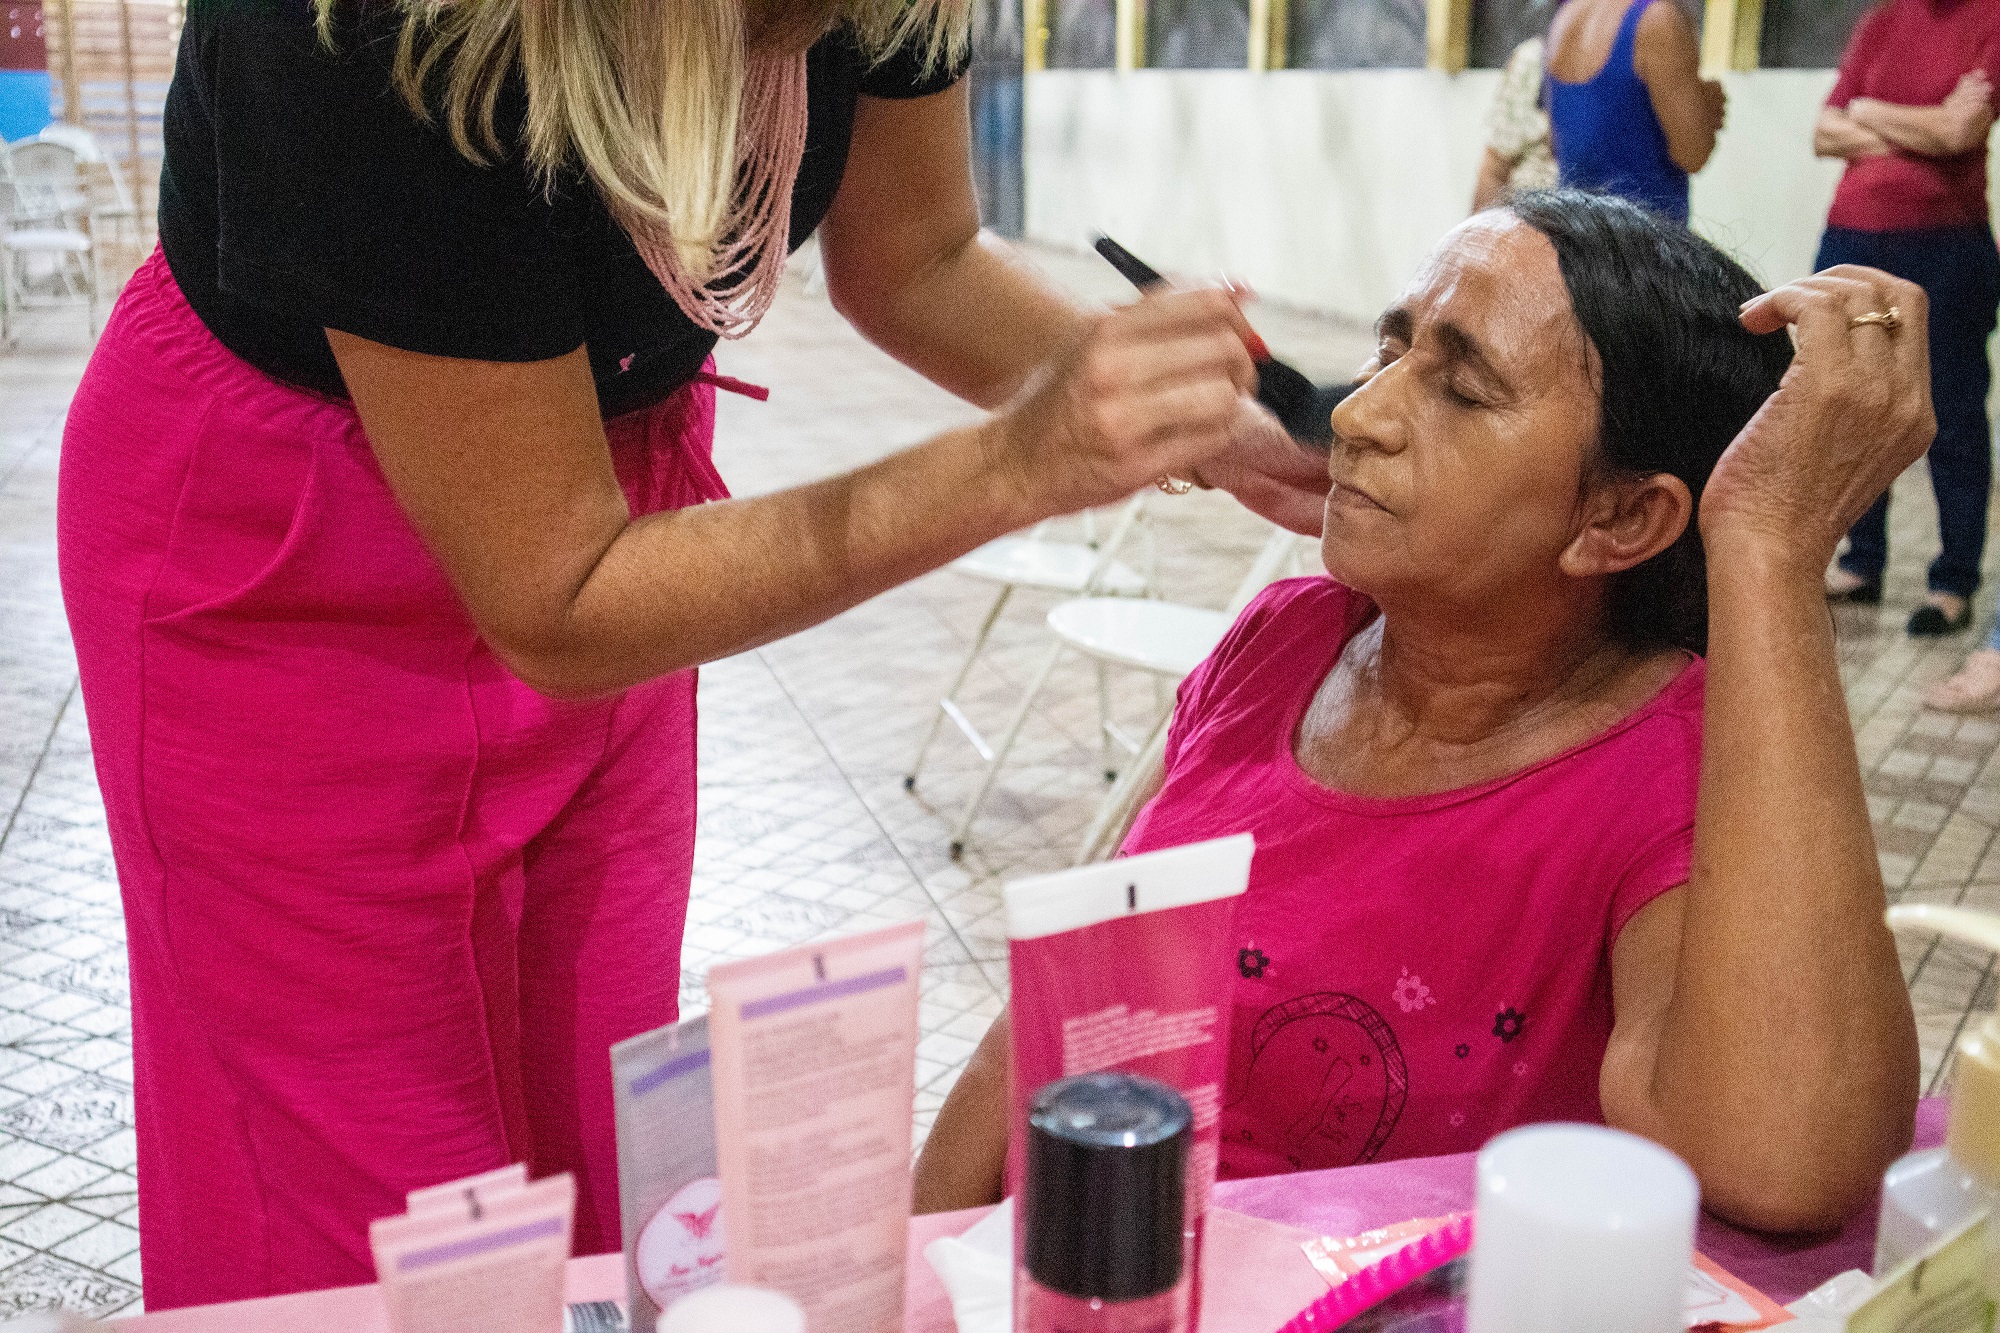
(1910, 114)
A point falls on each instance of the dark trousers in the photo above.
(1959, 270)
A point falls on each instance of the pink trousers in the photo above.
(387, 906)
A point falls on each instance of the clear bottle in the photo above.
(1929, 1194)
(1103, 1200)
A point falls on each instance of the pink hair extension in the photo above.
(1381, 1280)
(770, 141)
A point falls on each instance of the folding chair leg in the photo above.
(1104, 733)
(957, 682)
(1001, 751)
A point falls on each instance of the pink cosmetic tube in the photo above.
(1125, 965)
(814, 1056)
(494, 1268)
(669, 1195)
(462, 1198)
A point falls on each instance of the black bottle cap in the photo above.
(1106, 1188)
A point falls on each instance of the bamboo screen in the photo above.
(109, 64)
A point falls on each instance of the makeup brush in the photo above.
(1304, 409)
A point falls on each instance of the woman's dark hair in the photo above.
(1679, 377)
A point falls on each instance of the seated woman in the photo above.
(1555, 798)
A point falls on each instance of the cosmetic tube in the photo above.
(729, 1309)
(1126, 965)
(669, 1197)
(814, 1053)
(1102, 1208)
(489, 1268)
(462, 1198)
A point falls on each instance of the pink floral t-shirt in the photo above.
(1415, 975)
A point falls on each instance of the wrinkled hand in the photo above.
(1852, 412)
(1150, 390)
(1269, 472)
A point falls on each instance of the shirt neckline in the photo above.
(1306, 785)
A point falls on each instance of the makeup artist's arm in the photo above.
(907, 264)
(505, 472)
(1763, 1031)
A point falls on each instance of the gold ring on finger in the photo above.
(1890, 319)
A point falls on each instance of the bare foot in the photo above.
(1975, 689)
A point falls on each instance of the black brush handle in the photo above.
(1130, 267)
(1304, 409)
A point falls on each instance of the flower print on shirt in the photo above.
(1411, 993)
(1507, 1024)
(1251, 962)
(1323, 1080)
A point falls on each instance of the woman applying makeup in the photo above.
(389, 540)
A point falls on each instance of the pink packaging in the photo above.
(814, 1059)
(482, 1255)
(1126, 965)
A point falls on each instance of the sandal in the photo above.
(1936, 617)
(1975, 689)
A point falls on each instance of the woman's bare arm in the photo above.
(1955, 126)
(1763, 1030)
(964, 1160)
(1668, 61)
(1837, 134)
(1492, 183)
(505, 472)
(908, 265)
(908, 278)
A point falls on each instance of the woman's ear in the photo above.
(1626, 523)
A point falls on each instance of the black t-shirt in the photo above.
(300, 193)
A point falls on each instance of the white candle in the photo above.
(1580, 1227)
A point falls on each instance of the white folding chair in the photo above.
(1033, 560)
(76, 138)
(1164, 639)
(1121, 805)
(51, 184)
(62, 244)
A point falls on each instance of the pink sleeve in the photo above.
(1860, 51)
(1191, 703)
(1662, 864)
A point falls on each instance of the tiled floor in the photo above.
(806, 827)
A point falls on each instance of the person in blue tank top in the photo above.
(1629, 112)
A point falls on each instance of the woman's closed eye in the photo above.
(1462, 395)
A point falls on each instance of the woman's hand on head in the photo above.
(1852, 412)
(1149, 390)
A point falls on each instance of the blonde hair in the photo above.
(644, 97)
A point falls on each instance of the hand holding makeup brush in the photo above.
(1151, 390)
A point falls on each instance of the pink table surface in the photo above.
(1327, 1203)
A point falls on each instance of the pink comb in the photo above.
(1383, 1279)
